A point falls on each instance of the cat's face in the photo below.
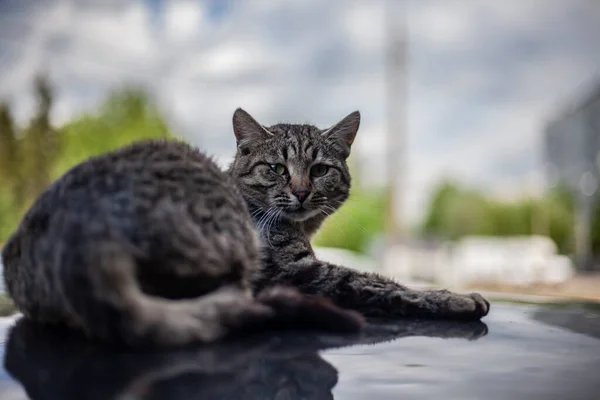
(293, 171)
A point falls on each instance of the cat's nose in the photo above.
(301, 194)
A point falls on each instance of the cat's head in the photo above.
(296, 171)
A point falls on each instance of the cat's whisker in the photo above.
(273, 219)
(261, 222)
(267, 220)
(260, 219)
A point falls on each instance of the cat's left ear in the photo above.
(247, 129)
(345, 130)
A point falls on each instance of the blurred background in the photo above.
(478, 157)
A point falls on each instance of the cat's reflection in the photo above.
(58, 364)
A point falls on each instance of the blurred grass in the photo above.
(7, 307)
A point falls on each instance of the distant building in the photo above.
(572, 156)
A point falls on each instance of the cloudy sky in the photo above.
(483, 75)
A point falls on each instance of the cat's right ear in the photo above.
(247, 129)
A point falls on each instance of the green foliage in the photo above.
(32, 157)
(26, 156)
(7, 306)
(125, 117)
(10, 213)
(560, 214)
(440, 203)
(9, 146)
(595, 229)
(39, 143)
(355, 224)
(455, 212)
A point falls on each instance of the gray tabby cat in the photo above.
(153, 244)
(150, 245)
(293, 177)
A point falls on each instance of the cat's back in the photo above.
(135, 177)
(148, 163)
(164, 203)
(132, 190)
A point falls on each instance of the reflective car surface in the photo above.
(520, 351)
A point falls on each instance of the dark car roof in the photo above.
(520, 351)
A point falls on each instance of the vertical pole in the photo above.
(396, 35)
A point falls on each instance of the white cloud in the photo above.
(183, 19)
(363, 25)
(441, 24)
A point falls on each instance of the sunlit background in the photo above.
(476, 164)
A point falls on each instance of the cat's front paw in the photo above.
(467, 306)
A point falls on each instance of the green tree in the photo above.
(127, 115)
(443, 196)
(355, 224)
(40, 141)
(11, 183)
(33, 157)
(9, 152)
(455, 212)
(557, 211)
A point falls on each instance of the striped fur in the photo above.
(286, 226)
(151, 244)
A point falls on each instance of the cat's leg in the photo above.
(101, 295)
(108, 303)
(375, 295)
(291, 261)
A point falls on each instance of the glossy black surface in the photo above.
(521, 352)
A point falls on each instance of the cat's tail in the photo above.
(231, 311)
(107, 302)
(228, 311)
(97, 291)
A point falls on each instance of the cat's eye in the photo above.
(279, 169)
(319, 170)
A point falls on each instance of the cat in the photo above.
(153, 243)
(292, 177)
(150, 245)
